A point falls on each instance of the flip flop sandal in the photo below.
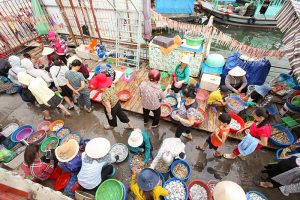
(49, 119)
(107, 127)
(228, 156)
(155, 126)
(199, 148)
(188, 136)
(71, 108)
(90, 110)
(218, 156)
(129, 128)
(257, 183)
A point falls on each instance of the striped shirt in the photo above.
(39, 169)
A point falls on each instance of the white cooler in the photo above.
(210, 82)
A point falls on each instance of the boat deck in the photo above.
(134, 104)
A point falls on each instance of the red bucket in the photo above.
(198, 123)
(239, 120)
(202, 184)
(56, 173)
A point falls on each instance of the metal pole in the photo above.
(95, 20)
(129, 24)
(84, 18)
(77, 21)
(7, 32)
(61, 6)
(209, 40)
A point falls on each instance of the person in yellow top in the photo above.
(216, 97)
(144, 185)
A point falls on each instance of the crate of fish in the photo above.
(137, 162)
(62, 132)
(177, 189)
(121, 150)
(171, 100)
(70, 136)
(236, 123)
(234, 104)
(181, 169)
(199, 190)
(281, 136)
(254, 195)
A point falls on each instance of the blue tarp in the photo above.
(257, 71)
(175, 6)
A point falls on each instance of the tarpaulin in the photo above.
(42, 26)
(175, 6)
(257, 71)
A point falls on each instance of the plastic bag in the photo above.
(6, 155)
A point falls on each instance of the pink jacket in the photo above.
(60, 46)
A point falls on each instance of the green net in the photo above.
(42, 25)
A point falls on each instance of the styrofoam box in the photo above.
(210, 82)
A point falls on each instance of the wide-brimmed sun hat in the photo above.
(263, 90)
(97, 148)
(47, 51)
(101, 81)
(185, 59)
(51, 35)
(67, 151)
(136, 138)
(228, 190)
(237, 71)
(147, 179)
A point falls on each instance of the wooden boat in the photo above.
(227, 17)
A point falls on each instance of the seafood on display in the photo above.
(235, 103)
(121, 150)
(170, 100)
(197, 192)
(180, 171)
(176, 190)
(199, 117)
(123, 97)
(165, 111)
(69, 137)
(235, 125)
(280, 136)
(254, 196)
(57, 126)
(63, 132)
(51, 145)
(35, 137)
(137, 162)
(160, 166)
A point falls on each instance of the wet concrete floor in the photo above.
(204, 165)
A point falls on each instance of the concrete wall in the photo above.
(39, 192)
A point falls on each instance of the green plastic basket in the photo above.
(47, 141)
(110, 189)
(194, 41)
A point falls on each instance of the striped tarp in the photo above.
(288, 21)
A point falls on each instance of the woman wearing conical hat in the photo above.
(236, 80)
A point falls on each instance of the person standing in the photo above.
(151, 95)
(60, 46)
(261, 129)
(186, 113)
(58, 71)
(77, 83)
(110, 101)
(236, 80)
(181, 76)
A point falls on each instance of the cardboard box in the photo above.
(210, 82)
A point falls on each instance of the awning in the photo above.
(288, 21)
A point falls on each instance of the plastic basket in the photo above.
(124, 190)
(42, 136)
(59, 130)
(55, 123)
(56, 173)
(202, 184)
(278, 152)
(258, 193)
(47, 141)
(198, 123)
(44, 125)
(176, 162)
(162, 178)
(184, 184)
(126, 149)
(9, 129)
(62, 181)
(110, 189)
(287, 132)
(126, 93)
(170, 96)
(65, 138)
(202, 95)
(21, 133)
(166, 106)
(233, 109)
(238, 119)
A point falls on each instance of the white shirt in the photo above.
(58, 75)
(174, 145)
(89, 175)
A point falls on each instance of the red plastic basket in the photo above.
(198, 123)
(168, 106)
(56, 173)
(44, 125)
(202, 95)
(203, 184)
(239, 120)
(124, 92)
(62, 181)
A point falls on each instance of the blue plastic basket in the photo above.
(72, 133)
(205, 69)
(15, 133)
(161, 177)
(124, 190)
(278, 152)
(184, 184)
(258, 193)
(287, 132)
(60, 130)
(182, 162)
(171, 96)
